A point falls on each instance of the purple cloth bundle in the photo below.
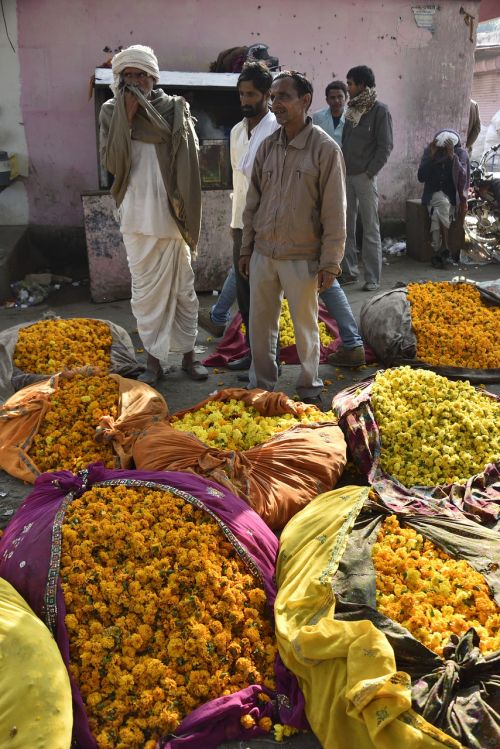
(30, 553)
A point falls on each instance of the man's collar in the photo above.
(300, 140)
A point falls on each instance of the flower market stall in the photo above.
(273, 452)
(32, 350)
(415, 433)
(389, 616)
(451, 328)
(52, 424)
(159, 590)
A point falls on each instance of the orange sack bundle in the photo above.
(65, 422)
(277, 477)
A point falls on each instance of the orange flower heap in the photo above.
(51, 346)
(454, 327)
(162, 614)
(65, 439)
(432, 595)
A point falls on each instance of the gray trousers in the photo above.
(362, 194)
(269, 278)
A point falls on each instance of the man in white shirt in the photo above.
(254, 87)
(332, 118)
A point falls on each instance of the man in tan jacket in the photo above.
(293, 233)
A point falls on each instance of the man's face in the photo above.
(137, 77)
(354, 88)
(252, 101)
(336, 101)
(287, 105)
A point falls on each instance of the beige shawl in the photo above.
(165, 121)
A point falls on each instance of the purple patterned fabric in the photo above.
(30, 557)
(234, 345)
(478, 499)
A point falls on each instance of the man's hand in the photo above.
(325, 280)
(433, 148)
(450, 150)
(461, 212)
(131, 105)
(244, 266)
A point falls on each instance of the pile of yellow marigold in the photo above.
(453, 326)
(65, 439)
(432, 430)
(432, 595)
(287, 332)
(231, 425)
(51, 346)
(162, 614)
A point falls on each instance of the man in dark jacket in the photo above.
(444, 169)
(366, 145)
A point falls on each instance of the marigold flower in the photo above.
(432, 430)
(435, 597)
(51, 346)
(231, 425)
(136, 680)
(453, 326)
(69, 414)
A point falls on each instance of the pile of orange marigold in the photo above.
(162, 613)
(432, 595)
(453, 326)
(65, 438)
(51, 346)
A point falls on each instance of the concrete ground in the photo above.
(180, 392)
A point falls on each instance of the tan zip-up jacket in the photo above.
(296, 202)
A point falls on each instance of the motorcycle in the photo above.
(482, 220)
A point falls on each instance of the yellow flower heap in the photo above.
(432, 430)
(54, 345)
(287, 332)
(454, 327)
(432, 595)
(162, 614)
(65, 439)
(232, 425)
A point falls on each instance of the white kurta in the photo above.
(164, 301)
(243, 150)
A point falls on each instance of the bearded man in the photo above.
(148, 143)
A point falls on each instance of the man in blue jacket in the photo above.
(332, 118)
(366, 145)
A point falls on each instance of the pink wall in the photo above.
(424, 78)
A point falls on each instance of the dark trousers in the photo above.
(242, 285)
(243, 289)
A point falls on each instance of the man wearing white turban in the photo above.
(445, 171)
(148, 143)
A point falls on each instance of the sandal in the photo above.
(149, 377)
(195, 370)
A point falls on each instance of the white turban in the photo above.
(445, 135)
(136, 56)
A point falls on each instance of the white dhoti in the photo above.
(164, 301)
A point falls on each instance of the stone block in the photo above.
(418, 235)
(108, 267)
